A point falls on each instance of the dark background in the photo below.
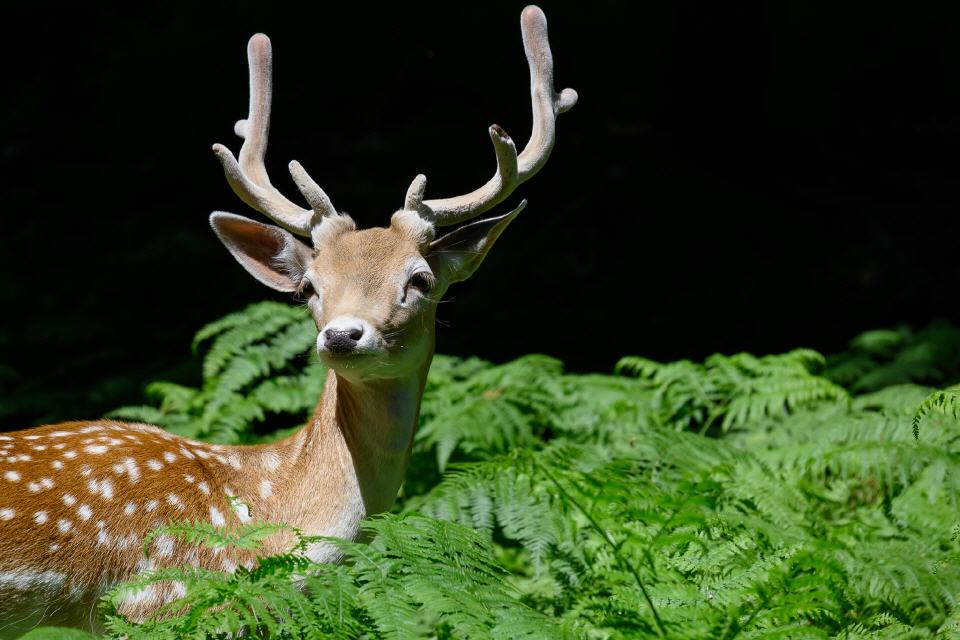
(737, 176)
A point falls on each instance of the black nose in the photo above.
(341, 341)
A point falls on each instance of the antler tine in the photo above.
(512, 169)
(248, 178)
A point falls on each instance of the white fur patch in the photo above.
(216, 517)
(164, 546)
(266, 489)
(25, 580)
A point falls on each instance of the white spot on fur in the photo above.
(69, 500)
(39, 447)
(12, 476)
(130, 508)
(189, 478)
(125, 542)
(132, 469)
(156, 465)
(203, 486)
(101, 487)
(7, 513)
(91, 429)
(96, 449)
(186, 454)
(7, 438)
(64, 525)
(164, 546)
(266, 489)
(54, 547)
(84, 512)
(216, 518)
(234, 460)
(270, 460)
(59, 434)
(146, 595)
(69, 455)
(40, 517)
(26, 580)
(60, 445)
(152, 505)
(242, 511)
(56, 464)
(169, 457)
(174, 501)
(229, 565)
(46, 483)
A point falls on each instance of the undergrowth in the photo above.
(783, 496)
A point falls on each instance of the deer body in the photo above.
(89, 492)
(78, 499)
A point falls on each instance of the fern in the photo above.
(741, 497)
(735, 390)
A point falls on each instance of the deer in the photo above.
(78, 499)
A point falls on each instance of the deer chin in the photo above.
(356, 363)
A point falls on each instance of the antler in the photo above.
(248, 177)
(512, 169)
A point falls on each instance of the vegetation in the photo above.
(783, 496)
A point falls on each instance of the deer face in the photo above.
(372, 292)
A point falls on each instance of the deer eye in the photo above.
(422, 282)
(305, 291)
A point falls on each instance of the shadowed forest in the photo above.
(735, 177)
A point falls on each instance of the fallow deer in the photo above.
(77, 499)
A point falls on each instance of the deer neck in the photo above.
(349, 461)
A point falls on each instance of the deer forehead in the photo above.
(366, 261)
(370, 256)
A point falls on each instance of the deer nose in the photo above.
(341, 339)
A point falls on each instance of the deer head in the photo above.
(373, 292)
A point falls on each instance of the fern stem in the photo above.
(628, 566)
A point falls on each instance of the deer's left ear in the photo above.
(270, 254)
(455, 256)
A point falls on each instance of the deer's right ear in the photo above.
(270, 254)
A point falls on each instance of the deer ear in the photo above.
(455, 256)
(270, 254)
